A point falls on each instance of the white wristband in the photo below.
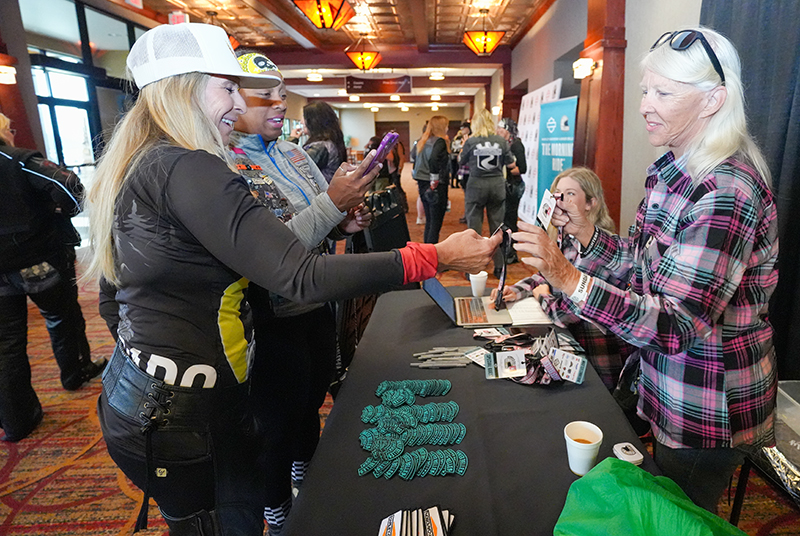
(582, 290)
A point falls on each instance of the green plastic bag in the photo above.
(617, 497)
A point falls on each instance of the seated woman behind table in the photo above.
(582, 188)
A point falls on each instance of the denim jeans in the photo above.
(703, 474)
(435, 205)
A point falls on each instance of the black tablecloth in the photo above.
(518, 475)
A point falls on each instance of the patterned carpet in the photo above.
(60, 481)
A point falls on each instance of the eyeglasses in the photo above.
(683, 39)
(505, 248)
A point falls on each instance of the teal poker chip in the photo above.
(462, 432)
(387, 447)
(368, 465)
(381, 468)
(393, 468)
(407, 469)
(461, 466)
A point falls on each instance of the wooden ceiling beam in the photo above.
(384, 99)
(398, 57)
(415, 11)
(335, 82)
(289, 20)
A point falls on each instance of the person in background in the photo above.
(413, 159)
(486, 154)
(462, 172)
(384, 178)
(37, 261)
(295, 343)
(690, 286)
(515, 187)
(395, 163)
(582, 188)
(176, 230)
(431, 168)
(325, 143)
(455, 151)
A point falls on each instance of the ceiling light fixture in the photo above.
(436, 97)
(314, 76)
(436, 75)
(324, 14)
(342, 92)
(363, 53)
(483, 42)
(354, 98)
(375, 109)
(404, 109)
(434, 108)
(394, 98)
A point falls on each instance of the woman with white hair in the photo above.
(691, 284)
(176, 229)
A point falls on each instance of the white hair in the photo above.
(726, 133)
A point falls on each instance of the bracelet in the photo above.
(582, 290)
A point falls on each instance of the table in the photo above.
(518, 475)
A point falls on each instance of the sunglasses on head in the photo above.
(683, 39)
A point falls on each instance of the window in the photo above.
(81, 90)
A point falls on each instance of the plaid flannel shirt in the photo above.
(700, 265)
(604, 350)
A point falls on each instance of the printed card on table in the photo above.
(505, 364)
(570, 366)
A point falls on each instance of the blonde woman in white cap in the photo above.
(179, 234)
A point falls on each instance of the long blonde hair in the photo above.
(726, 133)
(593, 189)
(482, 123)
(169, 112)
(437, 126)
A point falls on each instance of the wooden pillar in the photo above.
(598, 138)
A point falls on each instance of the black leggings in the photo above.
(293, 367)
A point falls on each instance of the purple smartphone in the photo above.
(387, 144)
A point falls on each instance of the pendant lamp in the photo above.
(483, 42)
(326, 13)
(363, 53)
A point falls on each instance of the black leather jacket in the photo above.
(37, 198)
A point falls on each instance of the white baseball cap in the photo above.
(190, 47)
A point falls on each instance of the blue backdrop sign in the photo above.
(556, 140)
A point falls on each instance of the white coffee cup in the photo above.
(583, 443)
(478, 283)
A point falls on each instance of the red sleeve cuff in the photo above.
(420, 262)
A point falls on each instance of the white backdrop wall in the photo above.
(645, 21)
(556, 33)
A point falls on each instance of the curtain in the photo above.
(767, 35)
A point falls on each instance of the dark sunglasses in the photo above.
(505, 248)
(683, 39)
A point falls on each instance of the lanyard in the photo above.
(274, 163)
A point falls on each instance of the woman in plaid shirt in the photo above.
(690, 285)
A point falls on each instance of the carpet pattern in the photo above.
(60, 481)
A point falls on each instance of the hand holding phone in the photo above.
(387, 144)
